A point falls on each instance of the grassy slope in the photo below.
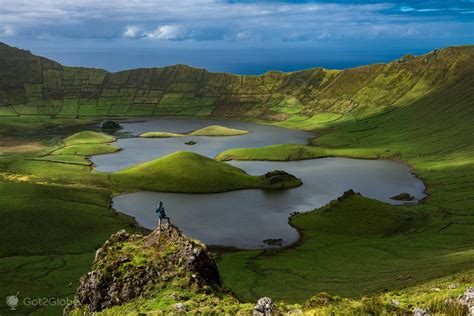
(36, 221)
(434, 135)
(302, 99)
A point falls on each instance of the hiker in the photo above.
(161, 214)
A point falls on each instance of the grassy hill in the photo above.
(308, 97)
(185, 172)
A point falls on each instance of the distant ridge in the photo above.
(33, 85)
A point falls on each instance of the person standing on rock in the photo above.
(162, 215)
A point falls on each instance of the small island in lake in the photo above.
(213, 130)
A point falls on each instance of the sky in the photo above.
(238, 36)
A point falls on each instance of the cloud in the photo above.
(6, 31)
(220, 20)
(167, 32)
(133, 32)
(406, 9)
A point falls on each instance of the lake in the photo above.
(246, 218)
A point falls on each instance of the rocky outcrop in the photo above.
(403, 197)
(347, 194)
(467, 299)
(280, 179)
(129, 266)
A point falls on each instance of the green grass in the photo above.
(48, 238)
(216, 130)
(213, 130)
(368, 218)
(283, 152)
(160, 135)
(86, 149)
(68, 159)
(433, 135)
(185, 172)
(88, 137)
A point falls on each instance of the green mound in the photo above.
(282, 152)
(213, 130)
(353, 214)
(88, 137)
(160, 135)
(185, 172)
(216, 130)
(86, 149)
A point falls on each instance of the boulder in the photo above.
(273, 241)
(264, 307)
(403, 197)
(467, 299)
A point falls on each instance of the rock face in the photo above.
(264, 307)
(128, 266)
(280, 179)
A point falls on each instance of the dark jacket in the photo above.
(161, 212)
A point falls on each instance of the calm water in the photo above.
(245, 218)
(138, 150)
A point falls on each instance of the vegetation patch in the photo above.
(213, 130)
(283, 152)
(88, 149)
(88, 137)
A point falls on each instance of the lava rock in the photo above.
(418, 311)
(180, 308)
(467, 299)
(403, 197)
(264, 307)
(274, 241)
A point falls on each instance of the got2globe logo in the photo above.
(12, 302)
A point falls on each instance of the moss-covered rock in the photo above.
(279, 179)
(130, 266)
